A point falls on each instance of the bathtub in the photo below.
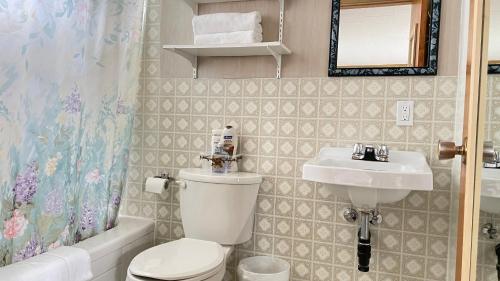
(112, 251)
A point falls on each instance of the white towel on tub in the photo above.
(227, 22)
(239, 37)
(61, 264)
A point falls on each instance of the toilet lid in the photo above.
(235, 178)
(177, 260)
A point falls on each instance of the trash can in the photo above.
(263, 268)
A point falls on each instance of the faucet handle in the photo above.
(383, 153)
(358, 151)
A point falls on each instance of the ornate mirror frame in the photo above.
(432, 57)
(493, 68)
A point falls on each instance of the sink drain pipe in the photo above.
(497, 250)
(364, 247)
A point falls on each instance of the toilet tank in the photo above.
(218, 207)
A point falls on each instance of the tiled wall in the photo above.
(283, 123)
(487, 258)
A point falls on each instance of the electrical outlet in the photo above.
(404, 114)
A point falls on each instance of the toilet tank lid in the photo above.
(236, 178)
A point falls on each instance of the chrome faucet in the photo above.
(493, 163)
(491, 157)
(370, 152)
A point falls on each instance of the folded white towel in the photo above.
(227, 22)
(61, 264)
(239, 37)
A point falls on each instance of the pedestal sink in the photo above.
(490, 190)
(368, 183)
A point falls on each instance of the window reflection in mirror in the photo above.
(383, 33)
(494, 38)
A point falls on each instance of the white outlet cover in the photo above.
(404, 113)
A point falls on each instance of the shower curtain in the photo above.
(69, 74)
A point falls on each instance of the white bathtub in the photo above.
(112, 251)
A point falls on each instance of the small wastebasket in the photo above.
(263, 268)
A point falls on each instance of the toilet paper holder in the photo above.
(166, 176)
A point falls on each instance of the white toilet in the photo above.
(217, 212)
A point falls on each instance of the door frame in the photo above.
(473, 133)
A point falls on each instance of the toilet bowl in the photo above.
(184, 259)
(217, 211)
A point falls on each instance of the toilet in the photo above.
(217, 213)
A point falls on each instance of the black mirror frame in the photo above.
(493, 68)
(432, 59)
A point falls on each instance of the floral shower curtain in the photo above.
(69, 73)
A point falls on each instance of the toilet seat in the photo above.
(183, 259)
(216, 275)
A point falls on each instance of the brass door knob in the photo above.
(448, 150)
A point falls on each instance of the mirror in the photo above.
(488, 254)
(494, 39)
(384, 37)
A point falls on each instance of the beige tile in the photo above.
(252, 88)
(398, 88)
(330, 87)
(323, 253)
(301, 270)
(389, 262)
(423, 87)
(344, 256)
(234, 88)
(303, 209)
(308, 108)
(309, 87)
(352, 87)
(302, 249)
(322, 272)
(283, 247)
(303, 229)
(289, 87)
(264, 244)
(324, 232)
(350, 108)
(413, 266)
(390, 241)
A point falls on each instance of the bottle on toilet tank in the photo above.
(228, 141)
(216, 137)
(228, 146)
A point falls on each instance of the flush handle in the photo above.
(448, 150)
(181, 184)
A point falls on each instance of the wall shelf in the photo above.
(192, 52)
(192, 3)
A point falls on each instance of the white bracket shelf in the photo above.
(192, 52)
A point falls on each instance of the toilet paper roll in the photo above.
(156, 185)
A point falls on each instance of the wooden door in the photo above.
(473, 138)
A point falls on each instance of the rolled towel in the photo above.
(61, 264)
(238, 37)
(226, 22)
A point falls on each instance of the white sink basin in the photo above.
(367, 182)
(490, 191)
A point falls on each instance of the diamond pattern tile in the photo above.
(282, 124)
